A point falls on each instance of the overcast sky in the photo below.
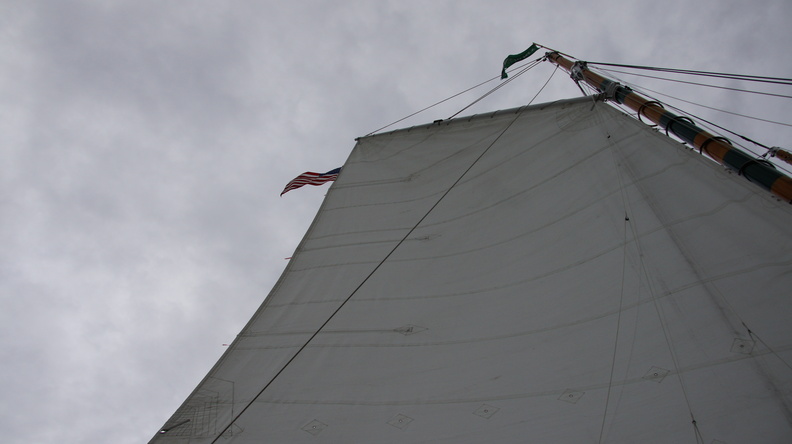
(144, 144)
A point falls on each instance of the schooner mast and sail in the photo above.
(558, 272)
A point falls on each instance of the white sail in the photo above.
(555, 273)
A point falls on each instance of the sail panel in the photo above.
(559, 273)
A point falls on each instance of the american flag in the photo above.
(310, 178)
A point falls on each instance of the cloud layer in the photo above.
(143, 146)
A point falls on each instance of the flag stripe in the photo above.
(311, 178)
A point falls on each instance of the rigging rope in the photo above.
(500, 85)
(459, 94)
(433, 105)
(654, 295)
(715, 109)
(747, 78)
(543, 86)
(631, 228)
(621, 292)
(700, 84)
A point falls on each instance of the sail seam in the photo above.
(553, 392)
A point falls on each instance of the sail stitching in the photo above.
(551, 391)
(316, 333)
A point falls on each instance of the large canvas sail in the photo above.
(555, 273)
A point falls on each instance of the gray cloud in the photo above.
(143, 146)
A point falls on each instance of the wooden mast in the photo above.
(758, 171)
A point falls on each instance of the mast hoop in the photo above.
(612, 89)
(646, 104)
(759, 160)
(703, 147)
(677, 119)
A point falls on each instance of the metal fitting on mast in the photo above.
(576, 72)
(611, 90)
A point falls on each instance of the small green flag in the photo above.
(514, 58)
